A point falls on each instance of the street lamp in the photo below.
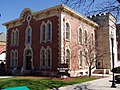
(112, 42)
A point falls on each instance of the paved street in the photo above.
(100, 84)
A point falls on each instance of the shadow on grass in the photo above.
(41, 84)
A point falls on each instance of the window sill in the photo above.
(67, 40)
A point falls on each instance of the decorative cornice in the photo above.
(14, 23)
(47, 12)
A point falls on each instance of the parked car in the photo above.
(117, 78)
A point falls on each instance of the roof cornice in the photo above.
(59, 8)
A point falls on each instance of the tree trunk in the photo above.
(90, 71)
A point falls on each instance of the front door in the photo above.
(28, 62)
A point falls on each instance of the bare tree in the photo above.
(95, 6)
(92, 53)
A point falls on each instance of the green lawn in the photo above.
(39, 83)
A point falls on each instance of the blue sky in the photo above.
(11, 9)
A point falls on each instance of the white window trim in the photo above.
(80, 66)
(85, 63)
(69, 57)
(17, 42)
(41, 32)
(41, 66)
(24, 57)
(48, 48)
(48, 22)
(26, 35)
(13, 38)
(11, 58)
(16, 51)
(92, 39)
(85, 37)
(81, 35)
(69, 31)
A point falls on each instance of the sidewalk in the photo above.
(99, 84)
(6, 76)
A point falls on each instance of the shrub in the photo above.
(116, 70)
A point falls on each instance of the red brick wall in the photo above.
(73, 44)
(36, 46)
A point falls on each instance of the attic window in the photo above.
(29, 18)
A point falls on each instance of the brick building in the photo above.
(2, 47)
(53, 40)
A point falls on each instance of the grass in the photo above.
(40, 83)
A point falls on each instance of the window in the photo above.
(80, 58)
(67, 31)
(42, 56)
(12, 38)
(49, 31)
(28, 53)
(12, 59)
(92, 40)
(85, 36)
(67, 56)
(49, 57)
(16, 37)
(46, 32)
(28, 35)
(16, 58)
(80, 36)
(86, 58)
(42, 32)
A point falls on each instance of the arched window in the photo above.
(67, 56)
(12, 38)
(67, 31)
(28, 35)
(92, 39)
(86, 58)
(80, 58)
(16, 37)
(16, 58)
(42, 56)
(12, 59)
(85, 36)
(49, 57)
(42, 32)
(79, 35)
(28, 52)
(49, 31)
